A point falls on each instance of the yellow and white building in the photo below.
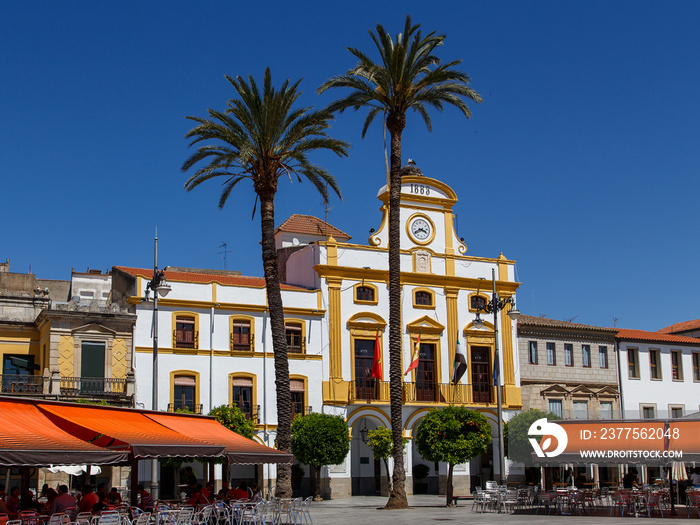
(215, 345)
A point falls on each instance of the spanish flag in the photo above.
(414, 356)
(377, 366)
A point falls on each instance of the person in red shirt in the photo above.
(240, 493)
(89, 499)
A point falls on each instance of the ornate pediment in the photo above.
(425, 325)
(93, 328)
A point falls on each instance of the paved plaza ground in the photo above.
(366, 510)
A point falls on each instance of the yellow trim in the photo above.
(250, 320)
(414, 259)
(414, 217)
(224, 353)
(207, 305)
(374, 239)
(188, 373)
(335, 329)
(430, 334)
(367, 411)
(301, 322)
(430, 306)
(254, 388)
(332, 251)
(507, 329)
(412, 420)
(368, 285)
(358, 322)
(183, 313)
(452, 306)
(213, 292)
(365, 334)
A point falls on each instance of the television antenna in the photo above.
(224, 252)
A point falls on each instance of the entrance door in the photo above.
(425, 373)
(481, 374)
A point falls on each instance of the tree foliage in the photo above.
(232, 418)
(452, 435)
(318, 440)
(515, 437)
(381, 441)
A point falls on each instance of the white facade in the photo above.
(660, 374)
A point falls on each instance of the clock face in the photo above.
(421, 229)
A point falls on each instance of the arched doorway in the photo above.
(367, 474)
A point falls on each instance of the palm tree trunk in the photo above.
(279, 343)
(397, 497)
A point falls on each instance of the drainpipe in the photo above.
(619, 379)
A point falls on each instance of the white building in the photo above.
(215, 345)
(659, 374)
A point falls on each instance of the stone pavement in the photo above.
(367, 510)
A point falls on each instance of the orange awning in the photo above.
(684, 437)
(239, 450)
(126, 429)
(28, 438)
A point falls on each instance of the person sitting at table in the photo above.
(89, 499)
(629, 481)
(113, 497)
(12, 501)
(146, 498)
(198, 497)
(3, 508)
(695, 477)
(50, 496)
(208, 492)
(257, 493)
(241, 492)
(102, 492)
(225, 488)
(63, 500)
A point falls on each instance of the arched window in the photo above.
(241, 340)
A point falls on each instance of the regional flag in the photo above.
(460, 365)
(414, 356)
(496, 370)
(377, 366)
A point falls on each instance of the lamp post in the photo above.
(495, 305)
(159, 286)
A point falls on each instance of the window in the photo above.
(365, 384)
(580, 409)
(295, 339)
(242, 395)
(606, 410)
(364, 293)
(296, 386)
(654, 364)
(87, 294)
(555, 407)
(424, 298)
(184, 393)
(551, 354)
(586, 355)
(677, 365)
(477, 302)
(240, 336)
(532, 352)
(696, 366)
(676, 411)
(603, 356)
(633, 363)
(185, 333)
(569, 354)
(648, 412)
(425, 373)
(17, 371)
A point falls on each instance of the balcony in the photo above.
(250, 411)
(372, 391)
(114, 391)
(189, 409)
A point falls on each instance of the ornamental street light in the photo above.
(159, 286)
(495, 305)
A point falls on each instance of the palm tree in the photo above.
(261, 138)
(409, 76)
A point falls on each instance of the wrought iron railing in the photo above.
(93, 386)
(250, 411)
(21, 384)
(193, 409)
(425, 392)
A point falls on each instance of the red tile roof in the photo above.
(307, 224)
(642, 335)
(529, 320)
(681, 327)
(204, 277)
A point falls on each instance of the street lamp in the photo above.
(495, 305)
(159, 286)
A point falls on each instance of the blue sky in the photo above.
(581, 163)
